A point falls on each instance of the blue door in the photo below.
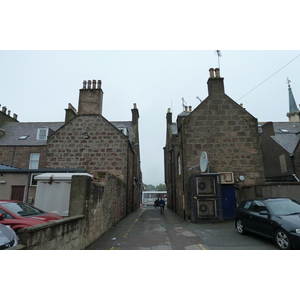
(228, 201)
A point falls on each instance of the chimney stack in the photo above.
(169, 117)
(90, 98)
(215, 83)
(135, 115)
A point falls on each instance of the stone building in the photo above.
(84, 142)
(89, 141)
(228, 135)
(280, 142)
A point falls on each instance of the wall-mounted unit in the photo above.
(205, 186)
(206, 208)
(226, 177)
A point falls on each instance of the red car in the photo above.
(18, 214)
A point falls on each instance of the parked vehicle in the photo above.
(274, 218)
(18, 214)
(8, 237)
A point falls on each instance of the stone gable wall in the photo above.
(88, 142)
(230, 137)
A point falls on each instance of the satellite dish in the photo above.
(203, 161)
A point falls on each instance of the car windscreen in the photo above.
(22, 209)
(284, 206)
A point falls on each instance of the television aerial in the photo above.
(203, 161)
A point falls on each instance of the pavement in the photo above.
(147, 229)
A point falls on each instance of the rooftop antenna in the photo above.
(183, 103)
(218, 52)
(198, 98)
(288, 82)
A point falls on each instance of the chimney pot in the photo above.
(4, 109)
(84, 84)
(99, 84)
(15, 116)
(89, 84)
(217, 70)
(8, 112)
(211, 73)
(94, 84)
(190, 108)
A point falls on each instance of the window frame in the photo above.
(34, 161)
(41, 137)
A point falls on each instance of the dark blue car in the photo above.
(274, 218)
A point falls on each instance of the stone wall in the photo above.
(19, 156)
(94, 209)
(89, 142)
(284, 189)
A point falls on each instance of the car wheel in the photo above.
(240, 226)
(282, 240)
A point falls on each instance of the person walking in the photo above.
(162, 203)
(156, 203)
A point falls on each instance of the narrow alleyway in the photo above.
(147, 229)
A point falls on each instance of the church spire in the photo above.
(292, 102)
(294, 113)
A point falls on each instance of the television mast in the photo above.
(218, 52)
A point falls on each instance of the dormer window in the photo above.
(124, 130)
(42, 134)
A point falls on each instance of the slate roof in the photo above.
(14, 130)
(127, 124)
(287, 134)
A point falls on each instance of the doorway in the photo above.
(17, 192)
(228, 201)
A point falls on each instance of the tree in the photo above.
(161, 187)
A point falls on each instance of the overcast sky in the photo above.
(38, 85)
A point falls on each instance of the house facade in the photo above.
(89, 141)
(228, 136)
(84, 142)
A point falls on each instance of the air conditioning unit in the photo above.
(226, 177)
(206, 186)
(206, 208)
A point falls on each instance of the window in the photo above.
(247, 205)
(259, 206)
(34, 161)
(23, 137)
(42, 134)
(179, 164)
(6, 214)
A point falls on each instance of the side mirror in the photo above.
(264, 213)
(1, 216)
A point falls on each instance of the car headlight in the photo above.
(297, 231)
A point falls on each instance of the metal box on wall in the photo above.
(205, 197)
